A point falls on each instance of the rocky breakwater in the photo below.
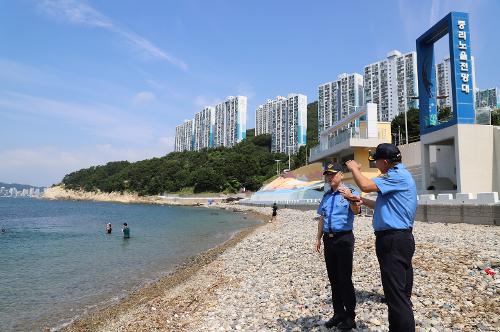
(59, 192)
(274, 281)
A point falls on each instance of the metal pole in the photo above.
(406, 125)
(289, 168)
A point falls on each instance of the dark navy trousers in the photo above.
(339, 250)
(395, 252)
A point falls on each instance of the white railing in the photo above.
(341, 137)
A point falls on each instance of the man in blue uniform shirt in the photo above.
(394, 213)
(337, 209)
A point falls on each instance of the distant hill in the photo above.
(18, 186)
(246, 165)
(312, 123)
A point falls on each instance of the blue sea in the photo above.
(56, 262)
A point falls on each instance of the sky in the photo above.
(86, 82)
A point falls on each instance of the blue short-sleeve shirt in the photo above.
(336, 212)
(396, 202)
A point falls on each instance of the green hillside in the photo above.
(248, 164)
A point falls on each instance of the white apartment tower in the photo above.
(184, 136)
(230, 121)
(263, 116)
(297, 122)
(285, 118)
(443, 82)
(204, 122)
(389, 84)
(338, 99)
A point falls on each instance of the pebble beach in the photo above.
(270, 279)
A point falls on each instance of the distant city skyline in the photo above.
(83, 83)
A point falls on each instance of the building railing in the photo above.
(347, 134)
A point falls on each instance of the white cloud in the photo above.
(47, 165)
(144, 97)
(79, 12)
(98, 119)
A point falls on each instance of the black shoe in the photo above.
(334, 321)
(347, 324)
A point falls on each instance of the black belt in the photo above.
(335, 234)
(393, 231)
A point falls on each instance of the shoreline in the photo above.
(60, 193)
(97, 316)
(271, 280)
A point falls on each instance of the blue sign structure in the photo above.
(456, 25)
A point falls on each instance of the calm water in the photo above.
(56, 261)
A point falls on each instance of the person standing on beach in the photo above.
(337, 210)
(394, 213)
(126, 231)
(275, 213)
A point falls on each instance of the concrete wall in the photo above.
(496, 159)
(470, 214)
(473, 146)
(474, 149)
(445, 161)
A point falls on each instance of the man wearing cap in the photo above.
(337, 209)
(394, 213)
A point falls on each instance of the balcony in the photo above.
(351, 138)
(343, 136)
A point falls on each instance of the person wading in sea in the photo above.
(126, 231)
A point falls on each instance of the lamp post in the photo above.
(277, 166)
(289, 154)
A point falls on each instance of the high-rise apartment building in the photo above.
(184, 136)
(488, 98)
(204, 122)
(443, 82)
(296, 122)
(285, 118)
(230, 121)
(263, 116)
(391, 83)
(338, 99)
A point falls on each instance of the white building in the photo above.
(263, 116)
(184, 136)
(230, 121)
(297, 122)
(390, 82)
(488, 98)
(204, 122)
(443, 82)
(338, 99)
(285, 118)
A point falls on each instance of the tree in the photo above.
(248, 164)
(398, 123)
(312, 123)
(444, 113)
(250, 133)
(495, 117)
(263, 140)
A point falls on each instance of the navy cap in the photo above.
(386, 151)
(332, 169)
